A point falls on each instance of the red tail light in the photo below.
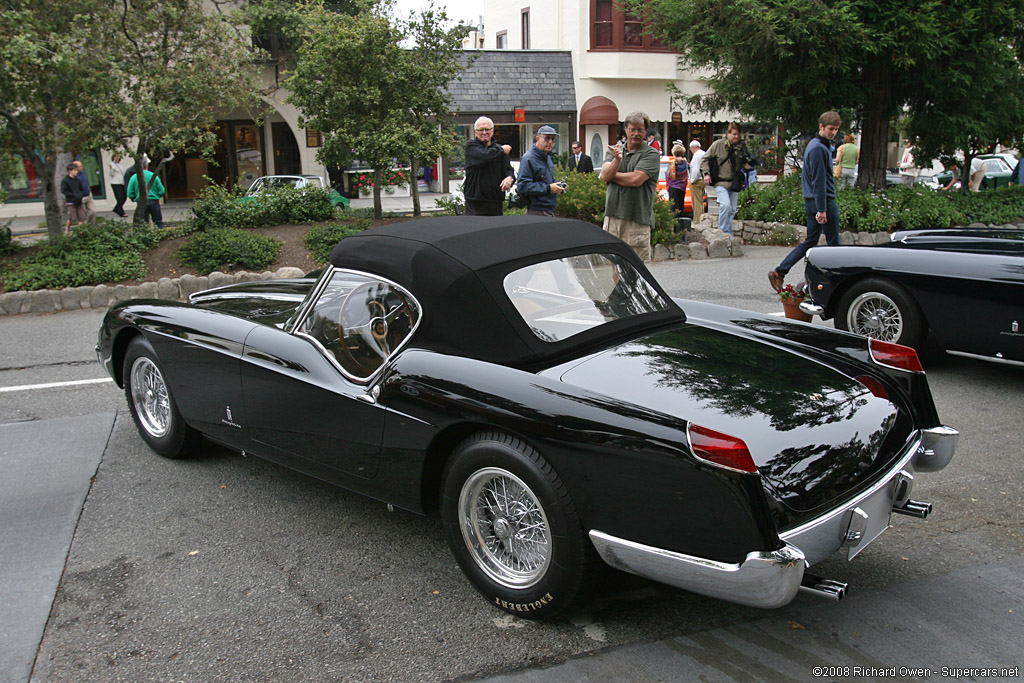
(874, 386)
(720, 449)
(895, 355)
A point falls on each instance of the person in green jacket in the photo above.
(156, 192)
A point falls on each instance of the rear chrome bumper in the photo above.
(764, 579)
(937, 447)
(772, 578)
(810, 308)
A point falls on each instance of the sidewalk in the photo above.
(177, 210)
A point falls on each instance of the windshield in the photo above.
(564, 297)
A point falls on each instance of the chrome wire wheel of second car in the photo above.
(881, 309)
(150, 398)
(875, 315)
(505, 528)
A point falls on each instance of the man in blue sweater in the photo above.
(536, 179)
(819, 187)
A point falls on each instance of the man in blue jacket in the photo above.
(536, 179)
(819, 188)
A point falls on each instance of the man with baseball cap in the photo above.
(536, 179)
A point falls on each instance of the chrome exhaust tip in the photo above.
(914, 508)
(823, 588)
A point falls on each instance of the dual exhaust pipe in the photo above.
(836, 590)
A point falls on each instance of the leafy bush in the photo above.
(321, 239)
(217, 207)
(451, 205)
(895, 208)
(780, 235)
(996, 207)
(7, 243)
(583, 198)
(779, 201)
(207, 251)
(104, 251)
(664, 231)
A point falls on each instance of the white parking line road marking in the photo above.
(55, 385)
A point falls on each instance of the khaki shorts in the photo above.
(636, 235)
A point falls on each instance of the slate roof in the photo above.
(501, 80)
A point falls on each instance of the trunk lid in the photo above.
(815, 433)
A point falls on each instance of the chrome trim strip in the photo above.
(311, 297)
(765, 578)
(991, 359)
(211, 294)
(821, 537)
(939, 444)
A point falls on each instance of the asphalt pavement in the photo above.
(213, 570)
(48, 469)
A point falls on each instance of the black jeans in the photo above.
(121, 195)
(814, 229)
(153, 210)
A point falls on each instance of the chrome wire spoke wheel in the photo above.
(875, 315)
(150, 397)
(505, 528)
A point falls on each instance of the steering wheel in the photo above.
(370, 324)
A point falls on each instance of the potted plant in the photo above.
(393, 178)
(364, 184)
(791, 297)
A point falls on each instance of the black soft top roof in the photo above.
(455, 267)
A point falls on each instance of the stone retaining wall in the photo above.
(705, 240)
(104, 296)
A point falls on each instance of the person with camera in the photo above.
(536, 181)
(632, 180)
(819, 189)
(723, 167)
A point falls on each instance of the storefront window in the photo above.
(25, 183)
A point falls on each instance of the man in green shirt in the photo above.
(155, 191)
(632, 179)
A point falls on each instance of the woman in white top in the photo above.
(117, 183)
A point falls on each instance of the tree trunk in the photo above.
(414, 188)
(53, 201)
(878, 110)
(378, 178)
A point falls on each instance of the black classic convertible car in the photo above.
(528, 379)
(961, 289)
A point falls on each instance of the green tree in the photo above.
(375, 100)
(180, 66)
(54, 82)
(872, 60)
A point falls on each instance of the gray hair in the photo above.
(694, 144)
(638, 119)
(482, 119)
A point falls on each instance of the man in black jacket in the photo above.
(578, 161)
(489, 173)
(71, 188)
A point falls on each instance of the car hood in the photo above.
(814, 432)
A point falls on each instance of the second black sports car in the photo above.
(963, 289)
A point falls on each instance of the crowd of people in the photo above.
(631, 175)
(77, 191)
